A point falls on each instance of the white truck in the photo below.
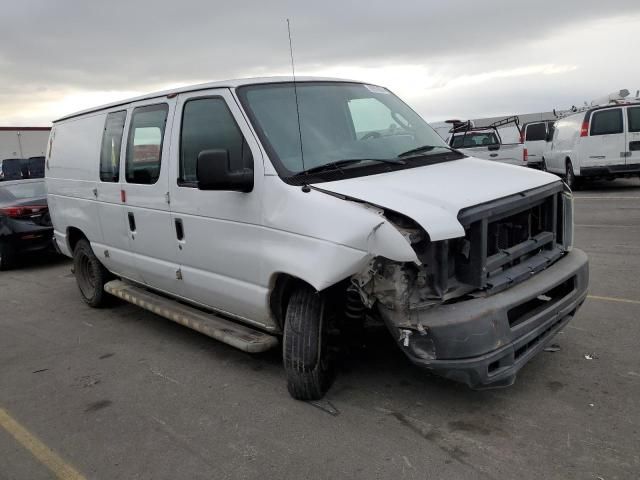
(261, 211)
(486, 142)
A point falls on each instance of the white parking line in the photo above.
(613, 299)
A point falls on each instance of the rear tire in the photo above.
(305, 353)
(90, 275)
(7, 257)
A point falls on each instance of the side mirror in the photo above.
(214, 173)
(494, 147)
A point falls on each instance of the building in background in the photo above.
(23, 142)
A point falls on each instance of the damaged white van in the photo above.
(263, 211)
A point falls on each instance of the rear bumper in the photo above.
(610, 170)
(537, 164)
(30, 241)
(483, 342)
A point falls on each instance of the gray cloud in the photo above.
(47, 47)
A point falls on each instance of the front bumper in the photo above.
(483, 342)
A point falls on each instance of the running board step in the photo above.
(239, 336)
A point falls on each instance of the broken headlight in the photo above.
(567, 220)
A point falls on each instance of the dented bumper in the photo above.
(483, 342)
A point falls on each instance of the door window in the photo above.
(111, 144)
(634, 119)
(535, 132)
(607, 122)
(207, 124)
(144, 145)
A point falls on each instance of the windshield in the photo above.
(474, 140)
(338, 121)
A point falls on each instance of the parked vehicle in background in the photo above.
(11, 169)
(25, 225)
(486, 142)
(296, 210)
(21, 168)
(535, 137)
(596, 142)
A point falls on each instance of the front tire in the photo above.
(306, 355)
(90, 275)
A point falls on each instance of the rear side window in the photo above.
(634, 119)
(111, 144)
(535, 132)
(207, 124)
(144, 145)
(607, 122)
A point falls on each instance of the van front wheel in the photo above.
(305, 354)
(90, 275)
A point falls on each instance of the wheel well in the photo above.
(74, 235)
(283, 285)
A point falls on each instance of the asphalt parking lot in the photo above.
(122, 394)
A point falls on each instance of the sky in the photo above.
(447, 59)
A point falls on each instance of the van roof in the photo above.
(234, 83)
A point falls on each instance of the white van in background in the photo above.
(535, 136)
(600, 142)
(266, 209)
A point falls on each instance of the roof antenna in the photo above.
(295, 91)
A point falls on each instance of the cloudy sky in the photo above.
(454, 58)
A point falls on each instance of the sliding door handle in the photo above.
(132, 222)
(179, 229)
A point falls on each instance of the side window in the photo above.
(607, 122)
(634, 119)
(111, 143)
(371, 115)
(207, 124)
(535, 132)
(144, 145)
(552, 131)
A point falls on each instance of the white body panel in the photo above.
(236, 244)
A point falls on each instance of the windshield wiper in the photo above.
(423, 149)
(348, 161)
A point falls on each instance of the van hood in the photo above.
(433, 195)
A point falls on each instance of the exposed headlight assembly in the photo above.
(567, 220)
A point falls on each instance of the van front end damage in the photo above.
(477, 308)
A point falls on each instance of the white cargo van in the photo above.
(599, 142)
(265, 210)
(535, 136)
